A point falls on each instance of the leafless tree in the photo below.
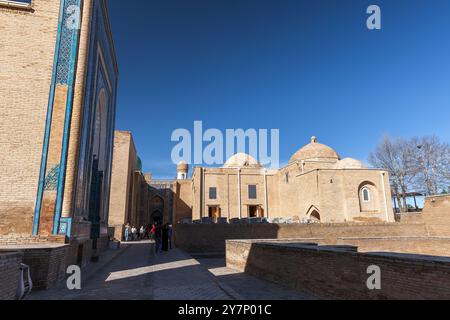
(430, 163)
(393, 155)
(417, 164)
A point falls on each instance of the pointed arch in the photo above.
(314, 214)
(157, 202)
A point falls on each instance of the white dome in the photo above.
(241, 160)
(349, 163)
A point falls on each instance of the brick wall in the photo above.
(9, 274)
(341, 273)
(27, 42)
(47, 265)
(436, 215)
(435, 246)
(17, 239)
(47, 262)
(211, 238)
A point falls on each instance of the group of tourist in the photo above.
(133, 234)
(161, 234)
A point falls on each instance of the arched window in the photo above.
(366, 194)
(368, 197)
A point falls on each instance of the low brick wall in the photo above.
(82, 249)
(18, 239)
(435, 215)
(47, 262)
(9, 274)
(435, 246)
(197, 238)
(341, 273)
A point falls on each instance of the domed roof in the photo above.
(349, 163)
(241, 160)
(182, 166)
(314, 150)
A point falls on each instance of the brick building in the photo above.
(136, 198)
(129, 189)
(57, 99)
(316, 186)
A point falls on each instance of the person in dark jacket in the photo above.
(158, 238)
(165, 238)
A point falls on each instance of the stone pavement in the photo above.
(134, 273)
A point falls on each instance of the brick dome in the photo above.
(241, 160)
(349, 163)
(315, 151)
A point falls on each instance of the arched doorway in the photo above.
(156, 217)
(314, 214)
(157, 209)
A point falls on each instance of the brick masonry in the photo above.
(17, 239)
(9, 274)
(341, 273)
(435, 246)
(436, 215)
(27, 43)
(47, 262)
(197, 238)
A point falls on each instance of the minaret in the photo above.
(148, 177)
(182, 170)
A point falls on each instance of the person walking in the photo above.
(153, 232)
(170, 236)
(133, 233)
(127, 232)
(141, 233)
(158, 238)
(165, 237)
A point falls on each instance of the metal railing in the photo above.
(25, 282)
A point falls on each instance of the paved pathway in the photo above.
(134, 273)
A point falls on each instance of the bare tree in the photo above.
(393, 155)
(430, 163)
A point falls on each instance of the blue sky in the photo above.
(306, 67)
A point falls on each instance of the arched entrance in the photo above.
(157, 209)
(156, 217)
(314, 214)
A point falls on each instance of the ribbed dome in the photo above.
(241, 160)
(314, 150)
(349, 163)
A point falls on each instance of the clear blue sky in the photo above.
(306, 67)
